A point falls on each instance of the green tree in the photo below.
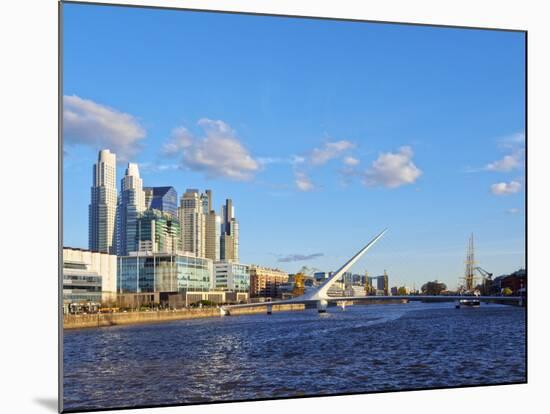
(402, 291)
(507, 291)
(433, 288)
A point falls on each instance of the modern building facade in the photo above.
(265, 282)
(103, 204)
(193, 226)
(158, 232)
(229, 239)
(131, 204)
(160, 272)
(232, 276)
(89, 276)
(164, 199)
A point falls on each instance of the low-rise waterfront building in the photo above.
(88, 276)
(265, 282)
(164, 272)
(232, 276)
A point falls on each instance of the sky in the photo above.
(322, 132)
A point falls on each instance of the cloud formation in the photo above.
(299, 257)
(507, 163)
(393, 169)
(506, 188)
(86, 122)
(512, 141)
(217, 154)
(351, 161)
(513, 211)
(302, 181)
(329, 151)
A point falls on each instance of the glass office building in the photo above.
(150, 272)
(158, 231)
(232, 276)
(162, 198)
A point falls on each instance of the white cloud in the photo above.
(506, 188)
(329, 151)
(302, 181)
(513, 211)
(218, 154)
(393, 170)
(179, 140)
(512, 141)
(89, 123)
(351, 161)
(507, 163)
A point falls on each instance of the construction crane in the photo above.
(487, 282)
(299, 284)
(484, 273)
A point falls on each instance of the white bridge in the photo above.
(319, 296)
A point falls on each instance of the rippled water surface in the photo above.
(363, 349)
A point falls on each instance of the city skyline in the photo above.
(312, 180)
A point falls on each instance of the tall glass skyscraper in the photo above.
(103, 204)
(229, 239)
(164, 199)
(131, 203)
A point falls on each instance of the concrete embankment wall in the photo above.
(131, 318)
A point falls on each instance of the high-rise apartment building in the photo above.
(164, 199)
(229, 239)
(103, 204)
(131, 203)
(212, 227)
(192, 222)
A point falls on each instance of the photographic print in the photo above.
(262, 207)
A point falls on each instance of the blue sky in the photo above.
(322, 132)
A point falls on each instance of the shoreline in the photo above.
(100, 320)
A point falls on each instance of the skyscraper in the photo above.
(212, 227)
(103, 204)
(164, 199)
(229, 239)
(192, 222)
(131, 203)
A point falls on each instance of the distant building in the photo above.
(232, 276)
(378, 285)
(88, 276)
(320, 277)
(192, 219)
(131, 203)
(265, 282)
(158, 232)
(516, 282)
(212, 226)
(103, 204)
(229, 238)
(161, 272)
(164, 199)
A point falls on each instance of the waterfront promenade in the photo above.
(97, 320)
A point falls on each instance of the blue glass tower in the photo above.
(162, 198)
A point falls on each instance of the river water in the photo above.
(362, 349)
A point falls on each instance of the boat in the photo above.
(469, 303)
